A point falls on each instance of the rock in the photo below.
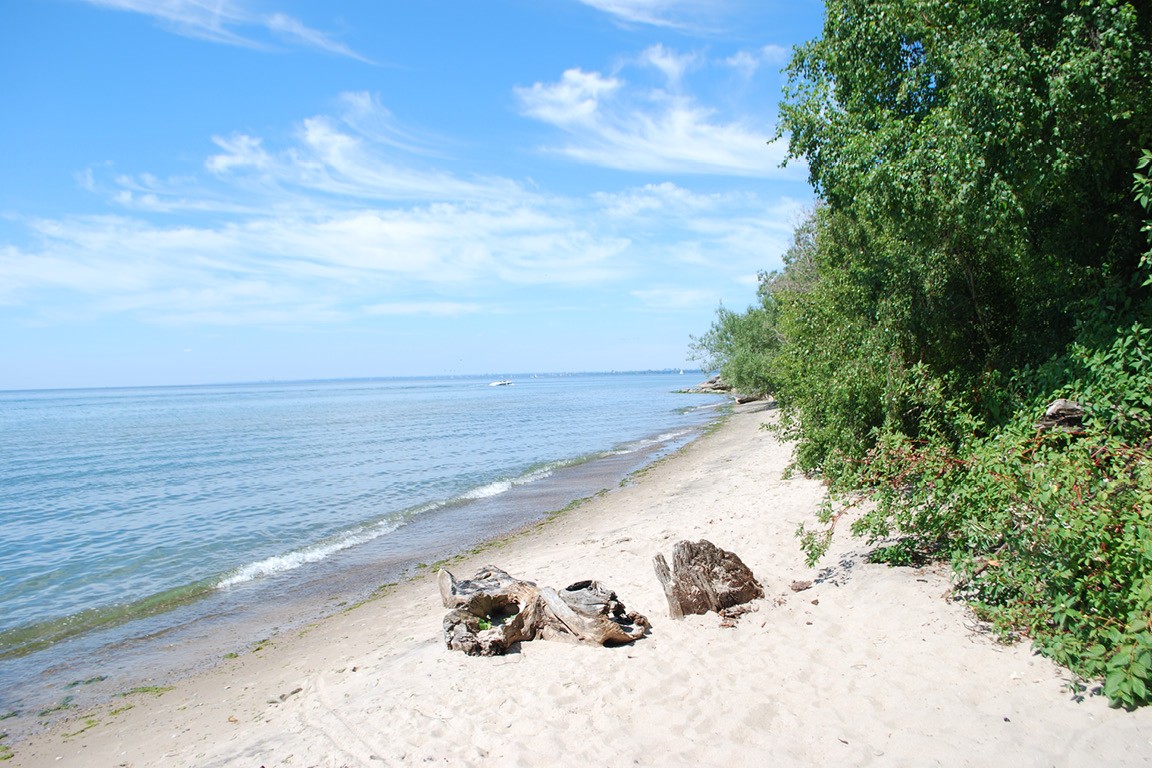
(1062, 414)
(704, 578)
(800, 586)
(717, 386)
(714, 384)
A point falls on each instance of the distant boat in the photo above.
(501, 383)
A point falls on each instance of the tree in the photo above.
(977, 254)
(744, 346)
(975, 159)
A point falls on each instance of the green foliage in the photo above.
(1142, 187)
(904, 553)
(1050, 531)
(745, 346)
(975, 158)
(741, 346)
(976, 255)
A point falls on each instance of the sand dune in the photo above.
(871, 666)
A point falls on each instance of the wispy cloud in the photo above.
(671, 63)
(428, 308)
(661, 13)
(674, 298)
(357, 156)
(749, 62)
(612, 122)
(231, 22)
(348, 217)
(337, 263)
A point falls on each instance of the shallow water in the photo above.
(142, 530)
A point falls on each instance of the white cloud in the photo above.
(674, 298)
(341, 221)
(664, 199)
(429, 308)
(366, 116)
(346, 160)
(669, 62)
(331, 267)
(240, 151)
(661, 13)
(748, 63)
(612, 123)
(572, 101)
(230, 22)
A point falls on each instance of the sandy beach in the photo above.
(870, 666)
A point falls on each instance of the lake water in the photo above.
(143, 531)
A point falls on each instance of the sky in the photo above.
(208, 191)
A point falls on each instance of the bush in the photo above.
(975, 258)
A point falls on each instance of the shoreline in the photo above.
(90, 669)
(870, 665)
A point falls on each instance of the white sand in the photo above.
(871, 666)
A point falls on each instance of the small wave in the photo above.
(313, 554)
(488, 491)
(503, 486)
(648, 442)
(721, 404)
(317, 552)
(667, 437)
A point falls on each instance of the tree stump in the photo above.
(492, 611)
(704, 578)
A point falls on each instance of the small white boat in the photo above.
(501, 383)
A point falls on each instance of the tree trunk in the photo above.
(704, 578)
(493, 611)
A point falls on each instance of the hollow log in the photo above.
(704, 578)
(493, 611)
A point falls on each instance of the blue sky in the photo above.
(197, 191)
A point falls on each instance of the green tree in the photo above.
(975, 160)
(745, 346)
(978, 253)
(741, 346)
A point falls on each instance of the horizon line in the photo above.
(259, 382)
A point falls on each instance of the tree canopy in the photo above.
(980, 249)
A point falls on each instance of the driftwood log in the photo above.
(704, 578)
(492, 611)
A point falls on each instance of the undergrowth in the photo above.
(1049, 531)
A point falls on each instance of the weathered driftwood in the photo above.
(704, 578)
(492, 611)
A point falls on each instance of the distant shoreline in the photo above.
(340, 380)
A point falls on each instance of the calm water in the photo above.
(135, 514)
